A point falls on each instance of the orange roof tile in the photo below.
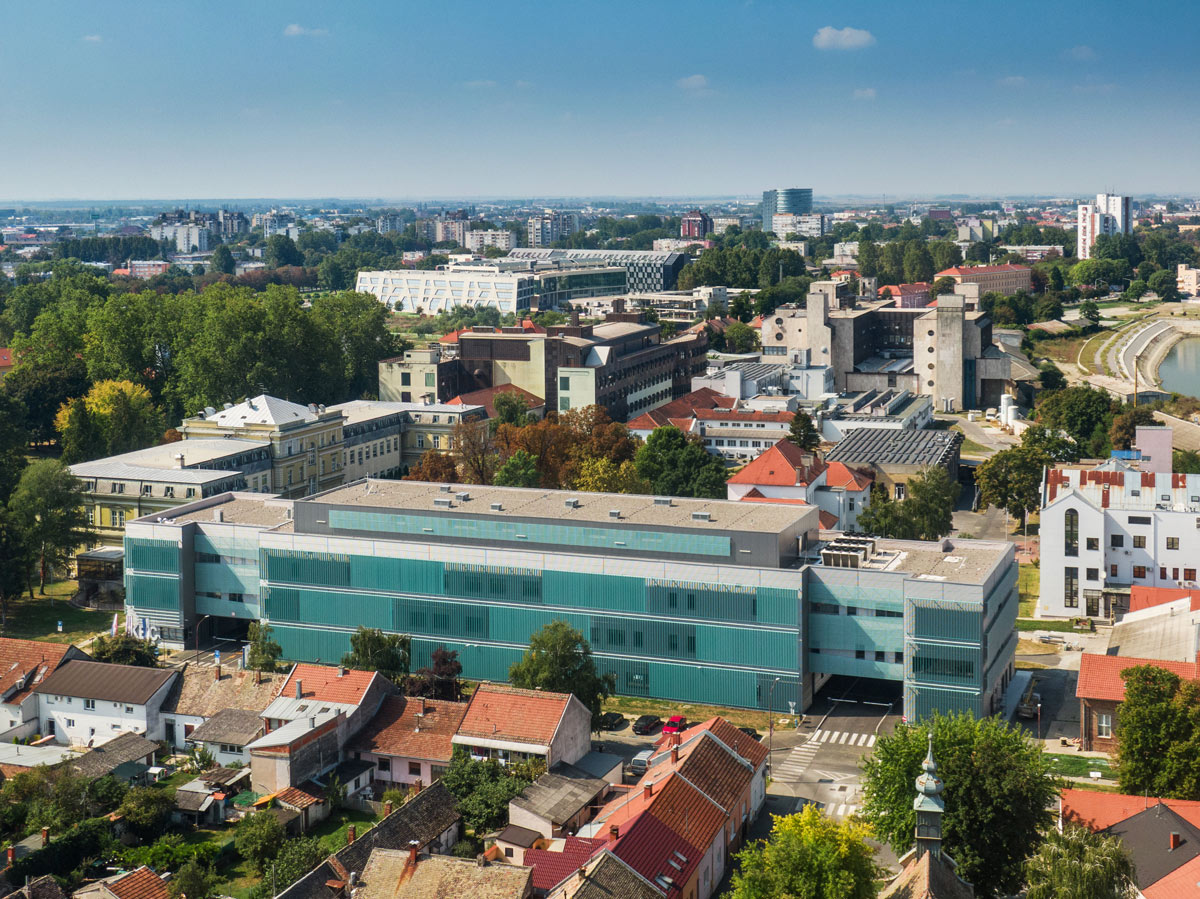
(140, 884)
(1098, 811)
(1142, 597)
(487, 398)
(1100, 676)
(686, 405)
(1183, 881)
(501, 712)
(6, 357)
(24, 663)
(839, 474)
(980, 269)
(323, 682)
(782, 465)
(393, 731)
(679, 823)
(743, 744)
(298, 798)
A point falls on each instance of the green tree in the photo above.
(1165, 285)
(998, 792)
(1081, 411)
(125, 649)
(296, 858)
(484, 788)
(676, 464)
(1012, 480)
(258, 838)
(511, 408)
(518, 470)
(19, 558)
(146, 810)
(1158, 734)
(13, 440)
(373, 650)
(195, 880)
(280, 251)
(48, 505)
(81, 440)
(1136, 290)
(559, 660)
(946, 254)
(222, 261)
(868, 258)
(353, 328)
(1089, 311)
(1079, 864)
(1186, 461)
(925, 513)
(264, 651)
(332, 274)
(803, 432)
(808, 855)
(1052, 446)
(1125, 424)
(740, 338)
(918, 263)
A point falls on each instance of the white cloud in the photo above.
(295, 30)
(480, 84)
(692, 83)
(864, 93)
(1081, 53)
(1011, 81)
(92, 38)
(830, 38)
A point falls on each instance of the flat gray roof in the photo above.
(265, 510)
(159, 463)
(886, 446)
(1169, 635)
(957, 561)
(519, 502)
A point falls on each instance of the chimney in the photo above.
(413, 848)
(351, 833)
(675, 755)
(387, 808)
(574, 318)
(613, 833)
(422, 705)
(299, 689)
(45, 836)
(12, 855)
(648, 790)
(1174, 841)
(341, 671)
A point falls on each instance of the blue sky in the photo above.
(404, 99)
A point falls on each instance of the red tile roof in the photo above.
(958, 270)
(678, 825)
(298, 798)
(393, 731)
(839, 474)
(1183, 881)
(740, 415)
(501, 712)
(552, 868)
(704, 398)
(487, 398)
(24, 663)
(140, 884)
(782, 465)
(1098, 811)
(1100, 676)
(743, 744)
(1141, 597)
(324, 683)
(6, 357)
(899, 290)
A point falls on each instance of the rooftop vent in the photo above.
(497, 507)
(574, 504)
(463, 496)
(227, 406)
(444, 502)
(848, 552)
(614, 513)
(662, 501)
(445, 488)
(701, 516)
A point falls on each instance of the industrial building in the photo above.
(687, 600)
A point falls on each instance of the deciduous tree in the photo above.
(1158, 733)
(518, 470)
(258, 838)
(803, 433)
(1079, 864)
(439, 679)
(373, 650)
(125, 649)
(195, 880)
(435, 467)
(559, 660)
(264, 652)
(676, 464)
(48, 505)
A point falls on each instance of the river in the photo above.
(1180, 370)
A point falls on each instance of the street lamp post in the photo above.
(771, 721)
(1039, 720)
(199, 621)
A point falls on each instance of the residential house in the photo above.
(556, 862)
(23, 665)
(1161, 836)
(318, 710)
(784, 472)
(127, 758)
(85, 703)
(226, 735)
(698, 400)
(409, 740)
(1100, 690)
(7, 363)
(510, 724)
(430, 820)
(141, 883)
(604, 877)
(409, 874)
(44, 887)
(209, 798)
(204, 691)
(564, 798)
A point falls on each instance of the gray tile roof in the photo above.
(128, 747)
(236, 727)
(106, 682)
(883, 447)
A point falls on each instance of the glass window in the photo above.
(414, 769)
(1117, 541)
(1093, 574)
(1071, 588)
(564, 383)
(1189, 574)
(1071, 528)
(1093, 543)
(1104, 725)
(1139, 571)
(430, 379)
(1139, 541)
(1172, 543)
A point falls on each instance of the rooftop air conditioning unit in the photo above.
(445, 488)
(444, 502)
(497, 507)
(571, 503)
(614, 513)
(701, 516)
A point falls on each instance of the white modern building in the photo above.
(807, 225)
(500, 239)
(1110, 214)
(442, 289)
(1112, 527)
(186, 237)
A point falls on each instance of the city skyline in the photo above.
(381, 100)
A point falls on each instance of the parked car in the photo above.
(611, 720)
(641, 762)
(675, 724)
(647, 724)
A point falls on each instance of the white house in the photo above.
(87, 703)
(510, 724)
(23, 665)
(1108, 528)
(409, 739)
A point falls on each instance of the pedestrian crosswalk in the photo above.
(844, 810)
(797, 761)
(843, 738)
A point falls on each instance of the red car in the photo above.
(675, 724)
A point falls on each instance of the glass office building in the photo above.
(686, 600)
(788, 200)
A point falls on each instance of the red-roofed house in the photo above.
(23, 665)
(409, 739)
(487, 399)
(6, 361)
(140, 883)
(1101, 690)
(507, 723)
(784, 472)
(1143, 597)
(562, 858)
(1006, 279)
(682, 408)
(907, 296)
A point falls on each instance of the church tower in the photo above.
(929, 807)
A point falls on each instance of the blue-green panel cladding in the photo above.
(143, 554)
(146, 591)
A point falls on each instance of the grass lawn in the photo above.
(238, 873)
(633, 706)
(1079, 765)
(37, 619)
(1028, 581)
(971, 448)
(1093, 786)
(1045, 624)
(1022, 665)
(175, 781)
(332, 831)
(1035, 648)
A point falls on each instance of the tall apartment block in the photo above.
(1110, 214)
(790, 200)
(695, 224)
(685, 600)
